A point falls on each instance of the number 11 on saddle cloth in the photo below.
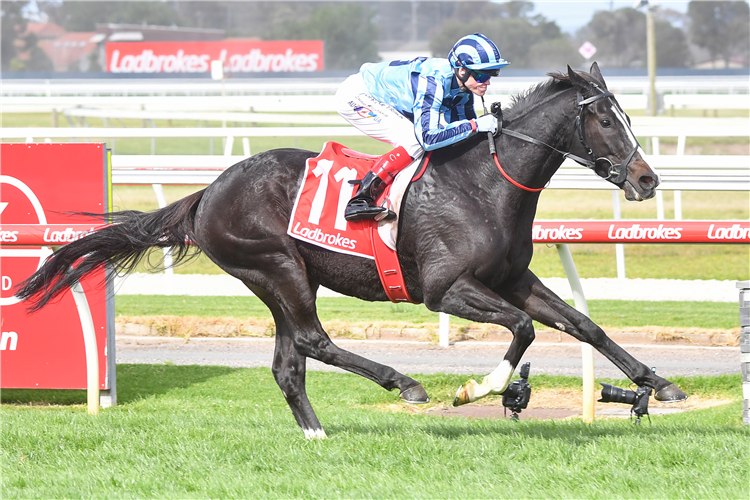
(318, 212)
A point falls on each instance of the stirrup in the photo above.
(363, 208)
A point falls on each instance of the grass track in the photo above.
(612, 313)
(198, 432)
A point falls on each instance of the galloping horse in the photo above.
(465, 240)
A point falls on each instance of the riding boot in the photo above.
(381, 175)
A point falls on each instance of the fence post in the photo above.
(744, 287)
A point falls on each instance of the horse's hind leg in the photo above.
(289, 370)
(276, 264)
(544, 306)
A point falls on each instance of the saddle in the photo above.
(318, 213)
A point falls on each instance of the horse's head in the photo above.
(606, 137)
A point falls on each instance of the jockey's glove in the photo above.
(487, 123)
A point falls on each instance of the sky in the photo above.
(570, 15)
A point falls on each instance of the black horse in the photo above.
(465, 240)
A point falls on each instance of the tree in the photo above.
(620, 39)
(13, 24)
(37, 59)
(721, 28)
(347, 30)
(671, 45)
(84, 16)
(527, 42)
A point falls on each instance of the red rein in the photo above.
(521, 186)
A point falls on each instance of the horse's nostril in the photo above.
(646, 182)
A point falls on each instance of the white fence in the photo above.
(317, 104)
(729, 84)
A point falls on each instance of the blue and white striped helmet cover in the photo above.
(476, 52)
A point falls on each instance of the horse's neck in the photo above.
(551, 121)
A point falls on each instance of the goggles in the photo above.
(483, 76)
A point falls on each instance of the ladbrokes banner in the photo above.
(239, 56)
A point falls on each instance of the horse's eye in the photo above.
(606, 123)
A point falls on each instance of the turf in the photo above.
(214, 432)
(612, 313)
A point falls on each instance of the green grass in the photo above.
(215, 432)
(612, 313)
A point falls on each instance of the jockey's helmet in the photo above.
(476, 52)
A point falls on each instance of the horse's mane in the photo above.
(528, 99)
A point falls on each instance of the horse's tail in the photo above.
(124, 243)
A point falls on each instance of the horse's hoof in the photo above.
(670, 394)
(415, 395)
(315, 433)
(462, 394)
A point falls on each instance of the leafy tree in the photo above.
(83, 16)
(13, 24)
(620, 39)
(347, 30)
(518, 9)
(38, 59)
(671, 45)
(721, 28)
(525, 42)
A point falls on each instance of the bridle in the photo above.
(602, 166)
(615, 173)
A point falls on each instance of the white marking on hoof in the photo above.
(315, 433)
(560, 327)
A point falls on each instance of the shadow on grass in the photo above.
(573, 431)
(134, 382)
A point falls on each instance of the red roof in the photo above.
(68, 49)
(45, 30)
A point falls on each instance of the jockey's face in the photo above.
(472, 85)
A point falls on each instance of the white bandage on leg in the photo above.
(498, 380)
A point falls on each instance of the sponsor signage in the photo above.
(641, 231)
(239, 56)
(40, 185)
(318, 212)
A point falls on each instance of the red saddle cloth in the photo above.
(318, 214)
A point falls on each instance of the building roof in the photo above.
(45, 30)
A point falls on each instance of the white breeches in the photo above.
(376, 119)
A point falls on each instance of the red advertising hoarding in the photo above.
(239, 56)
(41, 184)
(641, 231)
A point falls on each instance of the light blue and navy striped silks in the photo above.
(476, 52)
(422, 90)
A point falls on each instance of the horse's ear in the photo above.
(577, 80)
(597, 74)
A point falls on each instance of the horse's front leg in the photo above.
(544, 306)
(468, 298)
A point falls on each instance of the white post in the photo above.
(587, 352)
(89, 343)
(619, 247)
(228, 145)
(659, 193)
(678, 194)
(246, 146)
(444, 330)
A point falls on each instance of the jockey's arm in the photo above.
(430, 133)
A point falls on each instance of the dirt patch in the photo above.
(228, 327)
(549, 404)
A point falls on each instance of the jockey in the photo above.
(402, 103)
